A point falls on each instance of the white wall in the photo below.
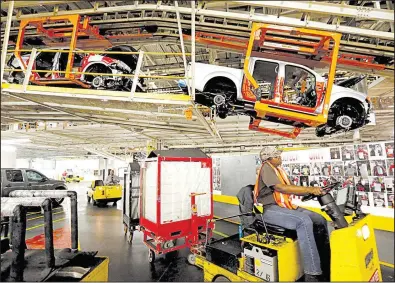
(8, 156)
(22, 163)
(81, 167)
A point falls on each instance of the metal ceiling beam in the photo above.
(324, 8)
(260, 18)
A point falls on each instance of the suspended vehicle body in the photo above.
(99, 65)
(65, 64)
(278, 84)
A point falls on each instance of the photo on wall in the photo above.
(361, 152)
(350, 168)
(295, 169)
(362, 185)
(287, 168)
(337, 169)
(379, 199)
(376, 150)
(304, 181)
(315, 169)
(378, 168)
(295, 180)
(377, 184)
(314, 181)
(390, 201)
(389, 149)
(335, 153)
(305, 169)
(389, 185)
(363, 168)
(326, 169)
(324, 181)
(364, 197)
(348, 152)
(390, 167)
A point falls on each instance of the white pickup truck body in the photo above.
(206, 76)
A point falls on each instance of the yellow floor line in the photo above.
(387, 264)
(32, 213)
(38, 217)
(221, 234)
(38, 226)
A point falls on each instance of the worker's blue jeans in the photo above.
(312, 232)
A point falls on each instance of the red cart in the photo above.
(176, 202)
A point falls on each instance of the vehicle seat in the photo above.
(99, 183)
(245, 206)
(274, 229)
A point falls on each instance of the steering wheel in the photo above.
(327, 189)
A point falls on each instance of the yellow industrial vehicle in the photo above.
(71, 178)
(101, 194)
(271, 253)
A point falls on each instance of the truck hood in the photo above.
(350, 92)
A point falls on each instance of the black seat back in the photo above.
(99, 183)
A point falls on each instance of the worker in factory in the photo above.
(112, 179)
(274, 191)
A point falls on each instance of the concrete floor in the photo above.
(101, 229)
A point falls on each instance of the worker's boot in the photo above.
(312, 278)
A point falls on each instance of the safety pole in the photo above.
(29, 69)
(193, 49)
(136, 74)
(182, 46)
(6, 37)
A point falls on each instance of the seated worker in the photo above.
(112, 179)
(274, 191)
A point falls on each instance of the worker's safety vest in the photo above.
(282, 200)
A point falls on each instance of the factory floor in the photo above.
(101, 229)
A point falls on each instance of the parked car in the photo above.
(229, 92)
(90, 63)
(71, 178)
(28, 179)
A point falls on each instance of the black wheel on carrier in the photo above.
(221, 279)
(151, 256)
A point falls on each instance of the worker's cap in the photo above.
(269, 152)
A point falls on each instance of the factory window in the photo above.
(14, 175)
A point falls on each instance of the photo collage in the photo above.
(367, 167)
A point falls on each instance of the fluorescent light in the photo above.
(15, 141)
(8, 148)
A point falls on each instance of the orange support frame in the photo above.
(77, 29)
(276, 107)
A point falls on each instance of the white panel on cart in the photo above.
(178, 181)
(150, 191)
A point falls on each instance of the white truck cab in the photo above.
(229, 92)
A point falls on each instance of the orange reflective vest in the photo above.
(283, 200)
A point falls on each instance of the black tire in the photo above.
(221, 279)
(347, 107)
(225, 87)
(151, 256)
(89, 199)
(58, 201)
(94, 202)
(96, 68)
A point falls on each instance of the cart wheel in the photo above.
(191, 259)
(221, 279)
(151, 256)
(89, 199)
(94, 202)
(130, 238)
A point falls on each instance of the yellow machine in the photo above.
(72, 178)
(101, 194)
(272, 256)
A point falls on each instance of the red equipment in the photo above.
(176, 202)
